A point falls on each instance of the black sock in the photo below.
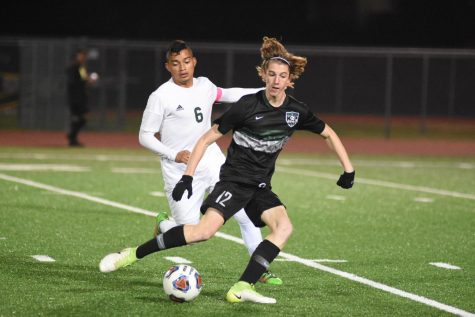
(260, 260)
(147, 248)
(175, 237)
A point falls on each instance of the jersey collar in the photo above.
(267, 103)
(176, 85)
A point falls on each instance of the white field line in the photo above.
(423, 200)
(177, 259)
(377, 163)
(368, 181)
(81, 157)
(445, 265)
(317, 260)
(365, 281)
(43, 258)
(288, 256)
(405, 164)
(77, 194)
(135, 170)
(329, 261)
(336, 197)
(282, 161)
(43, 167)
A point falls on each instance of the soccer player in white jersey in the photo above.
(180, 111)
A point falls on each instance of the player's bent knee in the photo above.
(202, 233)
(285, 229)
(205, 235)
(284, 226)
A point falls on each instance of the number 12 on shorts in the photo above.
(225, 196)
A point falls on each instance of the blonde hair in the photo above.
(273, 50)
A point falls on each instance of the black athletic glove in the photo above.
(346, 180)
(181, 186)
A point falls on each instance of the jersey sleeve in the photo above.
(234, 94)
(151, 124)
(214, 93)
(311, 122)
(231, 119)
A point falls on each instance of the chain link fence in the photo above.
(384, 82)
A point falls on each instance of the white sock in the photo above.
(250, 234)
(166, 225)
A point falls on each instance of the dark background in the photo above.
(398, 23)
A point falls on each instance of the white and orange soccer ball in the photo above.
(182, 283)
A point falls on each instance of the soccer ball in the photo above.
(182, 283)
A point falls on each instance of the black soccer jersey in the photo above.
(259, 133)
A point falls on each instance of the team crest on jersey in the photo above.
(179, 108)
(292, 118)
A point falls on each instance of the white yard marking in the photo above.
(158, 194)
(281, 161)
(135, 170)
(365, 281)
(367, 181)
(43, 167)
(82, 157)
(466, 165)
(423, 200)
(445, 265)
(288, 256)
(336, 197)
(78, 195)
(329, 261)
(177, 259)
(316, 260)
(375, 163)
(43, 258)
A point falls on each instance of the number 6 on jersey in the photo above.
(198, 114)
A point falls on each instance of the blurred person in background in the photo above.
(78, 81)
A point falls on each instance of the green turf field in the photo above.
(77, 205)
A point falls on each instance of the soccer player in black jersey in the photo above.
(261, 124)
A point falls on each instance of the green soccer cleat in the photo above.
(270, 279)
(243, 291)
(162, 215)
(115, 261)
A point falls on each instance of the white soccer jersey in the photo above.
(181, 116)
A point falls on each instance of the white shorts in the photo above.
(187, 211)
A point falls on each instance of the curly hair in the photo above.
(272, 49)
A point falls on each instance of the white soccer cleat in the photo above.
(245, 292)
(115, 261)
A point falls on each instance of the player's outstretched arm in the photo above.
(334, 142)
(234, 94)
(200, 148)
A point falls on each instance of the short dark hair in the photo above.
(176, 47)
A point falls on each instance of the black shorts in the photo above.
(229, 198)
